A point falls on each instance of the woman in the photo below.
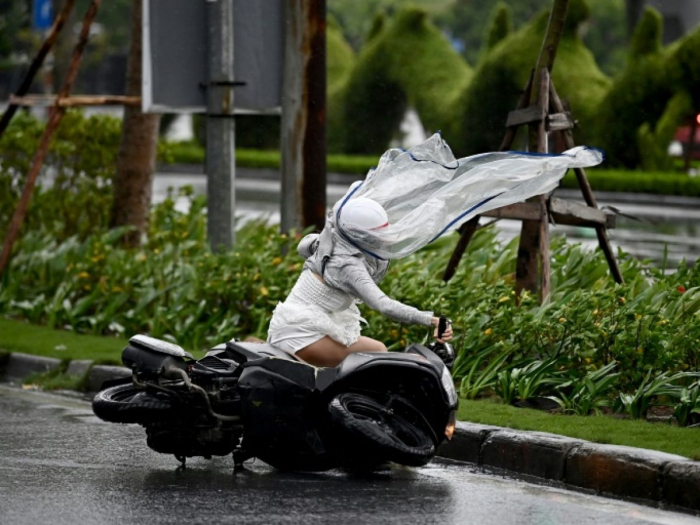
(319, 322)
(410, 199)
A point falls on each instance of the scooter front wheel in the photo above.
(380, 432)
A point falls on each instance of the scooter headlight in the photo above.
(449, 386)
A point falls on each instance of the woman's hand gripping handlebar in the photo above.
(443, 329)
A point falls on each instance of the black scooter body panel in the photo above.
(149, 362)
(278, 400)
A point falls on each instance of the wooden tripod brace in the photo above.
(541, 109)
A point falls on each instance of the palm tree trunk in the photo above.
(137, 153)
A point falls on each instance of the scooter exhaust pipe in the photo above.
(173, 372)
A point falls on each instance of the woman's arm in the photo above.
(360, 284)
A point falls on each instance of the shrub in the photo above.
(481, 110)
(501, 25)
(660, 183)
(657, 92)
(408, 62)
(174, 287)
(637, 96)
(73, 194)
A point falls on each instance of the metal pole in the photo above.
(221, 130)
(303, 140)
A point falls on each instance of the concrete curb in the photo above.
(609, 470)
(101, 373)
(19, 366)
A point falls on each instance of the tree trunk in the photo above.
(137, 153)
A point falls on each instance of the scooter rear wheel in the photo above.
(126, 404)
(379, 432)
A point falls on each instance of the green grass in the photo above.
(19, 336)
(193, 153)
(58, 380)
(599, 429)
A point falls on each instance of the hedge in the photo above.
(614, 180)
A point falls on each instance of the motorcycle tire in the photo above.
(126, 404)
(379, 432)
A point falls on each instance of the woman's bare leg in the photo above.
(329, 352)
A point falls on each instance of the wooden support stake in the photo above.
(54, 120)
(588, 196)
(466, 232)
(37, 63)
(562, 211)
(559, 121)
(522, 103)
(75, 100)
(534, 237)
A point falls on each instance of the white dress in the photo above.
(311, 311)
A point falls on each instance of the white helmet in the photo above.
(362, 214)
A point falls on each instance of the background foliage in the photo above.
(408, 62)
(78, 172)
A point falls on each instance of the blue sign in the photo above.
(42, 16)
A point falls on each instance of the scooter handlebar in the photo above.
(443, 323)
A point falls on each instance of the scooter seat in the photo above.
(266, 350)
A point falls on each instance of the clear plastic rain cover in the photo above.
(426, 192)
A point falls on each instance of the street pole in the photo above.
(221, 130)
(303, 138)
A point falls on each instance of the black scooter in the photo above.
(254, 400)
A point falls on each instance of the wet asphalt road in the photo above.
(59, 464)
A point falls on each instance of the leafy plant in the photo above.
(476, 379)
(588, 394)
(520, 383)
(649, 391)
(688, 407)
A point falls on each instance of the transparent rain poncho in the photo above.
(426, 192)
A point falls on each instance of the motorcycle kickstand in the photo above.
(183, 462)
(239, 456)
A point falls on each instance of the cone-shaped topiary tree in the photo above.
(407, 62)
(481, 110)
(658, 91)
(500, 27)
(340, 58)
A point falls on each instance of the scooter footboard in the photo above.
(280, 420)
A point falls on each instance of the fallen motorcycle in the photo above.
(254, 400)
